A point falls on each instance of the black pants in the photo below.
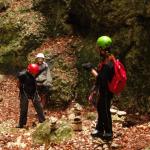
(24, 100)
(44, 90)
(104, 123)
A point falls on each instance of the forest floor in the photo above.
(134, 137)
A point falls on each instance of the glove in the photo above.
(88, 66)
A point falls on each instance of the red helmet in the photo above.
(33, 69)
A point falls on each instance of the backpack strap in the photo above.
(100, 65)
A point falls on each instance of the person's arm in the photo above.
(94, 72)
(18, 84)
(88, 66)
(44, 78)
(41, 76)
(48, 77)
(20, 78)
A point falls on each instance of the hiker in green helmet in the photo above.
(104, 42)
(104, 74)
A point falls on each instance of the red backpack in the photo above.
(119, 79)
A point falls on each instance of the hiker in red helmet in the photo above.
(28, 90)
(44, 80)
(103, 74)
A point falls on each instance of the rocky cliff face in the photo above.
(21, 31)
(126, 21)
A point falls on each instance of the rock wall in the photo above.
(127, 22)
(20, 32)
(55, 13)
(24, 24)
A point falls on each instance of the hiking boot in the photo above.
(19, 126)
(107, 136)
(97, 133)
(22, 127)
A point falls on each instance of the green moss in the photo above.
(85, 53)
(44, 134)
(91, 116)
(21, 32)
(56, 15)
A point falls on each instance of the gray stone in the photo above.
(114, 145)
(113, 111)
(1, 78)
(105, 146)
(121, 113)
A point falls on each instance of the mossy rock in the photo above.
(56, 13)
(4, 4)
(64, 81)
(21, 33)
(44, 134)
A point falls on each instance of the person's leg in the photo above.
(100, 121)
(23, 109)
(43, 100)
(38, 108)
(42, 94)
(107, 119)
(100, 111)
(47, 97)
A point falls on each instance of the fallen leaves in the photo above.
(136, 137)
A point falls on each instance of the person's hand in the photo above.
(91, 96)
(18, 84)
(88, 66)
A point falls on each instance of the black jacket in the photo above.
(105, 75)
(27, 83)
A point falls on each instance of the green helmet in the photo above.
(104, 42)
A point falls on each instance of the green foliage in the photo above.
(55, 13)
(85, 53)
(91, 116)
(21, 32)
(64, 81)
(64, 132)
(41, 133)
